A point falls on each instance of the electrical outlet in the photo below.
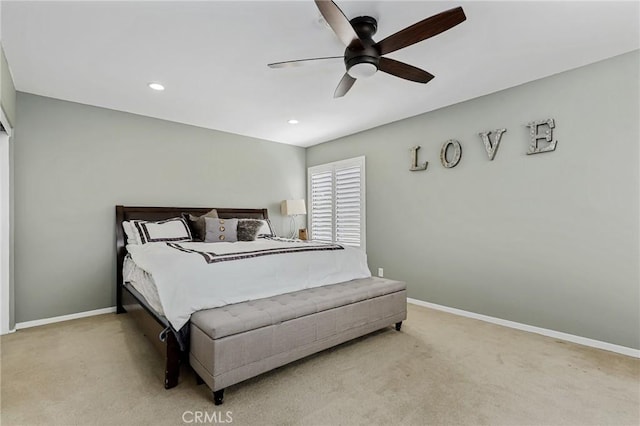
(381, 272)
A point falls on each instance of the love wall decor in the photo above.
(541, 140)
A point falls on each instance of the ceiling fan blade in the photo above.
(422, 30)
(344, 86)
(402, 70)
(338, 23)
(300, 62)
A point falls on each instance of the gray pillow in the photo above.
(220, 230)
(196, 223)
(248, 229)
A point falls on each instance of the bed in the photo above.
(231, 340)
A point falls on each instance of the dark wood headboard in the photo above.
(124, 213)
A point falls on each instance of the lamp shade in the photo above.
(292, 207)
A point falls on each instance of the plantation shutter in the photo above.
(336, 200)
(321, 206)
(348, 206)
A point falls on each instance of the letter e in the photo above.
(547, 136)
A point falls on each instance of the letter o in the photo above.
(457, 153)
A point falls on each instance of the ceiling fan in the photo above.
(363, 56)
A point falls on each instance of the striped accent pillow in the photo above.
(173, 230)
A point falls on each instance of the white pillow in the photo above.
(174, 230)
(132, 235)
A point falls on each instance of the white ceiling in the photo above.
(212, 57)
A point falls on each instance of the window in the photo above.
(336, 202)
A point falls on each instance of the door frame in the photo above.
(5, 226)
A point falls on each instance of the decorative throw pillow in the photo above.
(248, 229)
(220, 230)
(197, 225)
(174, 230)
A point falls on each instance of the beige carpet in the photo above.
(440, 370)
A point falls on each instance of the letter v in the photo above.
(492, 148)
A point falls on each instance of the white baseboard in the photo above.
(35, 323)
(506, 323)
(532, 329)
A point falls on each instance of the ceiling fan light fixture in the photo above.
(156, 86)
(362, 70)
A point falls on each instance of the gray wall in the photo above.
(73, 163)
(549, 240)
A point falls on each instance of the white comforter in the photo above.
(187, 283)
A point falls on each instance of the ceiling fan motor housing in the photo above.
(362, 61)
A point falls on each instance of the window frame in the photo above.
(332, 167)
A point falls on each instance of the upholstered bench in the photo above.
(236, 342)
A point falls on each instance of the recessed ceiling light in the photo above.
(293, 121)
(156, 86)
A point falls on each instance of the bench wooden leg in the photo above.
(398, 325)
(218, 397)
